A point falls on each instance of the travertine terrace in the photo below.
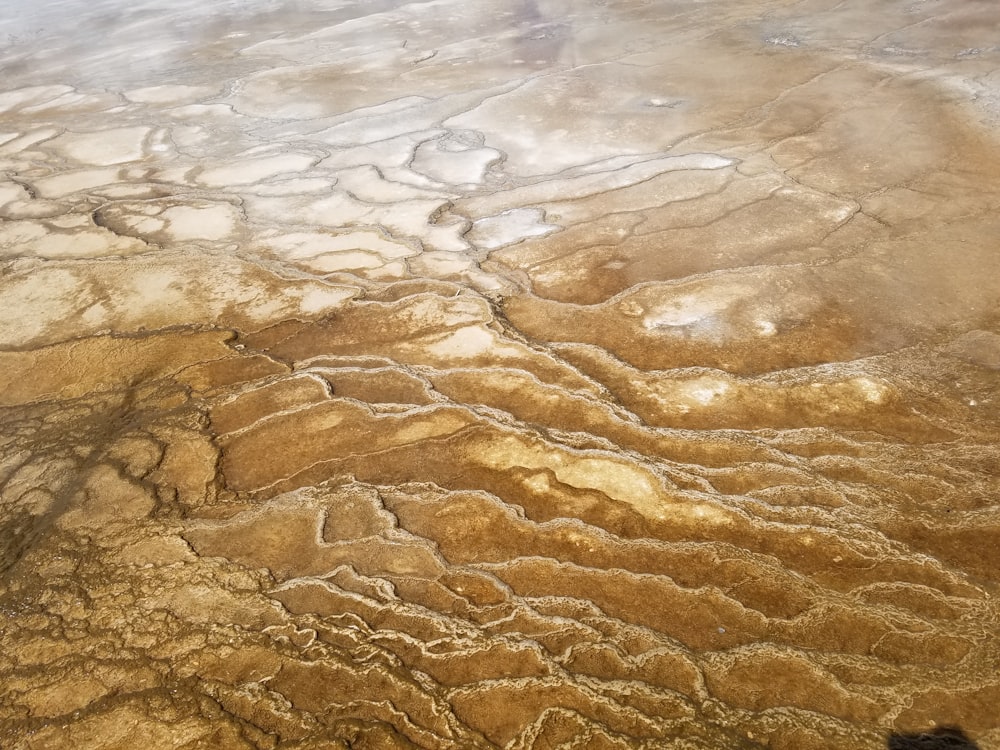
(529, 375)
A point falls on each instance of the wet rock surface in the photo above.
(426, 375)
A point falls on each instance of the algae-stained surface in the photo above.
(447, 375)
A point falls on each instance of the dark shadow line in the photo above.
(939, 738)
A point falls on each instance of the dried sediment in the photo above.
(570, 378)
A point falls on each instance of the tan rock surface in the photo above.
(532, 375)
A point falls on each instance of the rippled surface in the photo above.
(534, 375)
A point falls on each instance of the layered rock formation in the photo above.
(560, 375)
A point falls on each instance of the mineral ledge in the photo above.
(542, 374)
